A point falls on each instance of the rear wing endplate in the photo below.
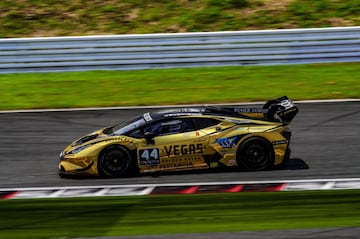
(282, 109)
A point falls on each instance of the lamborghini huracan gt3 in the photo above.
(186, 138)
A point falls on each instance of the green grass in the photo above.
(111, 216)
(178, 86)
(20, 18)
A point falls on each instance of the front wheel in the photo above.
(255, 154)
(114, 161)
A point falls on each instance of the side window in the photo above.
(202, 123)
(173, 126)
(152, 128)
(166, 127)
(187, 125)
(136, 134)
(170, 127)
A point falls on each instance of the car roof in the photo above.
(173, 112)
(205, 110)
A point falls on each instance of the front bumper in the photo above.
(77, 166)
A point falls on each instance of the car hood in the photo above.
(89, 137)
(92, 138)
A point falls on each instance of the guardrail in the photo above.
(126, 52)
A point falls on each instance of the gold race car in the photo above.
(184, 139)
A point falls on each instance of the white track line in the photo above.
(166, 106)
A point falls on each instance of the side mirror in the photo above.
(149, 137)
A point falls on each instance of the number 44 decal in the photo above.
(149, 156)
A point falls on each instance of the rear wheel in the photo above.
(114, 161)
(255, 154)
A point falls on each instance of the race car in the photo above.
(186, 139)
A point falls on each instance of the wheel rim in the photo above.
(255, 156)
(115, 162)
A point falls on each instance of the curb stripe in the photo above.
(8, 195)
(235, 189)
(185, 188)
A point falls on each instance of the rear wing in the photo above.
(280, 110)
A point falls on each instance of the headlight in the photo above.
(81, 148)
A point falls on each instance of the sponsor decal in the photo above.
(183, 149)
(180, 159)
(248, 110)
(147, 117)
(279, 142)
(227, 142)
(175, 165)
(287, 104)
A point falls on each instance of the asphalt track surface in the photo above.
(325, 145)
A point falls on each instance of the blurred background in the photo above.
(34, 18)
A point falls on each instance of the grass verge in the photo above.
(19, 18)
(167, 214)
(178, 86)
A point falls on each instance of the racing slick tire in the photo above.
(255, 154)
(114, 161)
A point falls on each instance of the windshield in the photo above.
(126, 126)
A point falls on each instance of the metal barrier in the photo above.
(127, 52)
